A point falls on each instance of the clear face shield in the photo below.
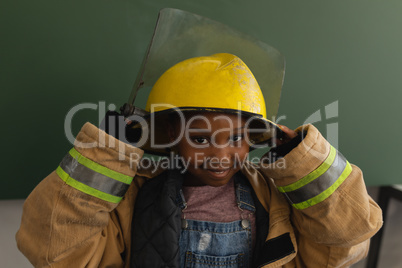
(181, 35)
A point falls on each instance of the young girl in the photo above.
(303, 205)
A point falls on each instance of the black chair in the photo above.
(385, 195)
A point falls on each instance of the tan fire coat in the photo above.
(80, 215)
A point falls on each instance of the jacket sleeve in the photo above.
(332, 213)
(73, 217)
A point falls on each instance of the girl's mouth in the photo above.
(219, 173)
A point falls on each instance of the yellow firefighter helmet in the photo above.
(217, 83)
(220, 82)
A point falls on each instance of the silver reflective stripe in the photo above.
(321, 183)
(92, 178)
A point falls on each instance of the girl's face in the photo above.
(212, 145)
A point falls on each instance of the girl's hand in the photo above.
(289, 134)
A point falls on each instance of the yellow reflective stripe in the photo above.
(324, 195)
(85, 188)
(99, 168)
(312, 175)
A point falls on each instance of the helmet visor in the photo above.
(180, 35)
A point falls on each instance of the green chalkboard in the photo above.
(344, 71)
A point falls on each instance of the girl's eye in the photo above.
(200, 140)
(237, 138)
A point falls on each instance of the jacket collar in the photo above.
(280, 245)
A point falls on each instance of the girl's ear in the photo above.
(172, 135)
(171, 131)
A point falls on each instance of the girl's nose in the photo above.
(220, 158)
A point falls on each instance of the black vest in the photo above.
(157, 225)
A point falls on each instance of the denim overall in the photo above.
(206, 244)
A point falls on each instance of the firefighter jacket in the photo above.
(81, 215)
